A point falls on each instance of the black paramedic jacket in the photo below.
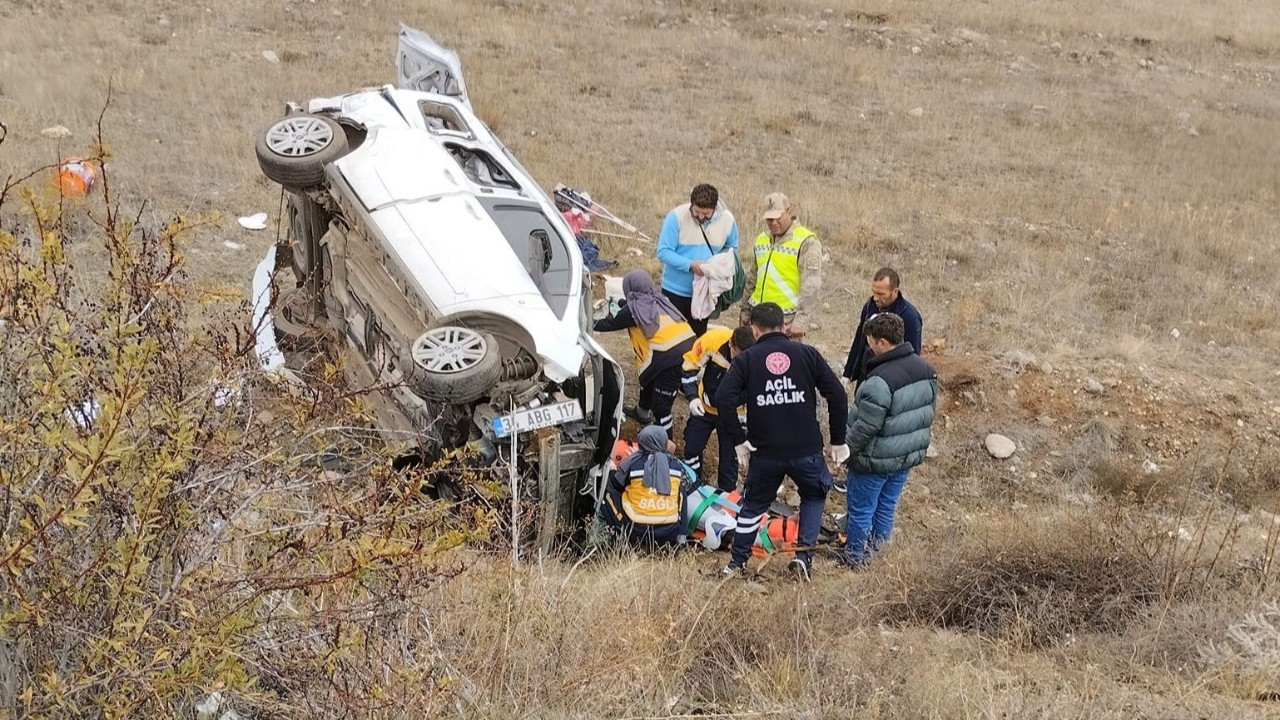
(779, 380)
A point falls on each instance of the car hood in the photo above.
(445, 243)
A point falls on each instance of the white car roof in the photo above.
(427, 210)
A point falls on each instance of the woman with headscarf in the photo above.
(660, 336)
(645, 496)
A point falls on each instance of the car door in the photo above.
(423, 65)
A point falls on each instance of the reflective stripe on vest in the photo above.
(670, 334)
(646, 507)
(705, 351)
(778, 269)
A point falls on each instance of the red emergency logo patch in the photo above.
(777, 363)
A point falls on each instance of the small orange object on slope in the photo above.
(76, 177)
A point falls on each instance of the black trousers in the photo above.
(659, 394)
(685, 306)
(697, 434)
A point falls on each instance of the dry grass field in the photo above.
(1061, 185)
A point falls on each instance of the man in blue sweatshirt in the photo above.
(691, 234)
(779, 380)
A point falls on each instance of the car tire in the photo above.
(294, 149)
(455, 364)
(308, 222)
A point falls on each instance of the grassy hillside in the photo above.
(1061, 185)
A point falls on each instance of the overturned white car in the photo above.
(451, 280)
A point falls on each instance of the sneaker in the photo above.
(800, 568)
(733, 569)
(639, 414)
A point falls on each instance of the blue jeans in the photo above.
(760, 489)
(872, 501)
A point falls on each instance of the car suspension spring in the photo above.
(519, 368)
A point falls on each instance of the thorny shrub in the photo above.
(1044, 587)
(1251, 649)
(177, 530)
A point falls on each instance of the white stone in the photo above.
(1000, 446)
(1175, 333)
(256, 221)
(1093, 387)
(931, 451)
(270, 56)
(209, 705)
(56, 132)
(916, 112)
(1150, 467)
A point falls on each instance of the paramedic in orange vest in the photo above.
(645, 496)
(785, 267)
(704, 367)
(660, 337)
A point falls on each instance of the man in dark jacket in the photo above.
(778, 380)
(885, 297)
(889, 433)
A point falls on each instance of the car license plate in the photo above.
(539, 417)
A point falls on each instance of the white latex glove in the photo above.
(744, 452)
(840, 453)
(696, 409)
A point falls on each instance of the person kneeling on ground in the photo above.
(645, 497)
(660, 337)
(889, 432)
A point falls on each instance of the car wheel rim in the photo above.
(448, 350)
(299, 136)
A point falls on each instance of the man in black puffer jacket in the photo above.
(889, 433)
(779, 381)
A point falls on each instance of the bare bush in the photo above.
(1033, 586)
(174, 525)
(1251, 649)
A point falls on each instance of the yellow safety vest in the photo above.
(645, 506)
(706, 350)
(670, 334)
(778, 269)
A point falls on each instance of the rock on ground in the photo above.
(1000, 446)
